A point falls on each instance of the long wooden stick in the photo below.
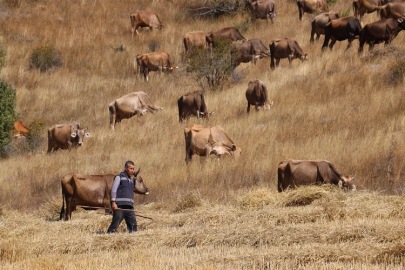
(128, 210)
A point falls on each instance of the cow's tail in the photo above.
(113, 114)
(355, 8)
(272, 52)
(204, 107)
(179, 104)
(280, 180)
(62, 211)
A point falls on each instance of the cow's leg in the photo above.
(136, 30)
(361, 45)
(311, 40)
(371, 46)
(350, 44)
(326, 41)
(332, 43)
(256, 106)
(290, 58)
(300, 10)
(272, 63)
(146, 74)
(207, 151)
(69, 145)
(248, 108)
(113, 115)
(49, 147)
(277, 62)
(68, 213)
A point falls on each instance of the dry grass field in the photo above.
(338, 105)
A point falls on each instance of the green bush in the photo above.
(45, 58)
(331, 2)
(7, 115)
(344, 13)
(216, 8)
(34, 138)
(212, 70)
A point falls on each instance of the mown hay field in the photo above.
(339, 106)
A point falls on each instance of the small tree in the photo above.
(7, 114)
(45, 58)
(212, 70)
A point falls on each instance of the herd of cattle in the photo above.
(204, 141)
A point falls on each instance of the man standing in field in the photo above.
(122, 197)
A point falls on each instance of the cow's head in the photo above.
(304, 57)
(79, 134)
(139, 187)
(401, 22)
(346, 183)
(236, 151)
(206, 114)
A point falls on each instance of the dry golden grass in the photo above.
(338, 106)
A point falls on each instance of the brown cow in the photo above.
(361, 7)
(257, 95)
(157, 61)
(319, 22)
(264, 9)
(342, 29)
(135, 103)
(92, 191)
(192, 104)
(294, 173)
(144, 18)
(311, 6)
(196, 39)
(20, 130)
(251, 50)
(65, 136)
(381, 31)
(394, 10)
(204, 141)
(285, 48)
(229, 33)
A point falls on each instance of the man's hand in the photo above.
(114, 206)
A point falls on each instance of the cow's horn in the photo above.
(85, 128)
(353, 177)
(136, 174)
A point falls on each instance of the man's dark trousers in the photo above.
(119, 215)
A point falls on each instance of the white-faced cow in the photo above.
(395, 10)
(157, 61)
(196, 39)
(144, 18)
(285, 48)
(381, 31)
(311, 6)
(204, 141)
(135, 103)
(192, 104)
(93, 191)
(319, 22)
(294, 173)
(65, 136)
(250, 51)
(341, 29)
(263, 9)
(257, 96)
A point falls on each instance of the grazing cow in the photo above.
(204, 141)
(65, 136)
(257, 95)
(157, 61)
(20, 130)
(92, 191)
(311, 6)
(251, 50)
(229, 33)
(192, 104)
(394, 10)
(264, 9)
(361, 7)
(144, 18)
(285, 48)
(342, 29)
(381, 31)
(135, 103)
(294, 173)
(319, 22)
(196, 39)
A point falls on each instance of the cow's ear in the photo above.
(341, 183)
(87, 134)
(400, 20)
(73, 135)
